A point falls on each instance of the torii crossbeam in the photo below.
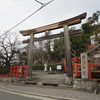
(69, 22)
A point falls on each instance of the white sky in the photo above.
(14, 11)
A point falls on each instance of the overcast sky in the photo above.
(14, 11)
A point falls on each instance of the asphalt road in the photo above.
(9, 95)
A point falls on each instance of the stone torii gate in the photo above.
(63, 24)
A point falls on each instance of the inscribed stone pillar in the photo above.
(84, 66)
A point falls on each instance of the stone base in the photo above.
(29, 78)
(86, 84)
(68, 80)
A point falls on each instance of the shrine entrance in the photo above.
(63, 24)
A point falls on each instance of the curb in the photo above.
(48, 84)
(36, 94)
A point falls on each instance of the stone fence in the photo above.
(87, 84)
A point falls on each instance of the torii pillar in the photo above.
(30, 57)
(69, 71)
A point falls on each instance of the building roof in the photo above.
(93, 49)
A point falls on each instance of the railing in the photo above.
(4, 75)
(93, 68)
(64, 62)
(76, 70)
(19, 71)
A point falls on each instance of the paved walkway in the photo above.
(42, 77)
(51, 91)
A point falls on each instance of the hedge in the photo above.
(4, 70)
(38, 67)
(41, 67)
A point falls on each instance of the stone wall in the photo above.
(86, 84)
(11, 79)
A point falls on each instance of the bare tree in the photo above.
(48, 50)
(9, 45)
(38, 51)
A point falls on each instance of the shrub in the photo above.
(41, 67)
(38, 67)
(4, 70)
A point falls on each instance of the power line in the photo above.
(9, 13)
(29, 9)
(9, 1)
(5, 10)
(39, 2)
(42, 5)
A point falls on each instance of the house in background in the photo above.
(93, 41)
(94, 54)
